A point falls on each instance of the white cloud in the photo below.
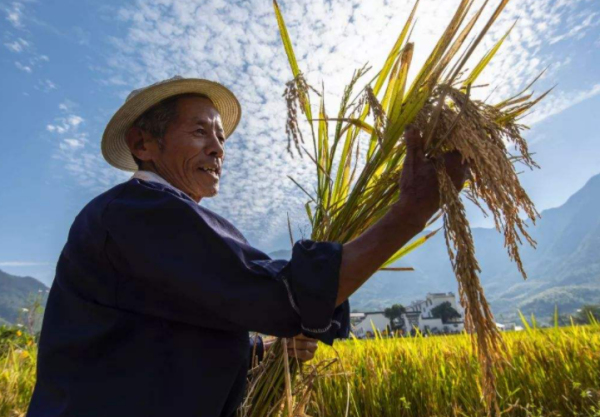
(78, 156)
(45, 85)
(65, 124)
(30, 58)
(239, 46)
(14, 14)
(578, 31)
(23, 67)
(22, 263)
(75, 120)
(67, 106)
(17, 45)
(70, 143)
(559, 102)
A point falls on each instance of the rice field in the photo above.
(18, 355)
(551, 372)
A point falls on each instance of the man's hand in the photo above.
(419, 192)
(302, 347)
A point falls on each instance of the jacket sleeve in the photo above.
(178, 261)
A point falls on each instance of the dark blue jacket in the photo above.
(152, 302)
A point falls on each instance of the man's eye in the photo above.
(201, 131)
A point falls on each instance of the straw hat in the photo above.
(114, 147)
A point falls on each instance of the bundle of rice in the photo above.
(353, 193)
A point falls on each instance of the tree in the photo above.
(394, 314)
(584, 313)
(565, 320)
(445, 311)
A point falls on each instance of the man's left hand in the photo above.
(302, 348)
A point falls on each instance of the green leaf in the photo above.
(389, 62)
(289, 50)
(323, 155)
(309, 212)
(486, 59)
(400, 84)
(524, 321)
(465, 57)
(406, 249)
(285, 37)
(342, 180)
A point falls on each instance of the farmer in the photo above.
(154, 295)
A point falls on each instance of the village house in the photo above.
(418, 316)
(362, 323)
(509, 327)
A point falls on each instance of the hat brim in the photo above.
(115, 149)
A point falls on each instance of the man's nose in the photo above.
(215, 147)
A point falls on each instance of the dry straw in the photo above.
(353, 193)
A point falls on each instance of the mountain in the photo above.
(565, 267)
(17, 293)
(563, 270)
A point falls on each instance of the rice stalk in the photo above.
(351, 195)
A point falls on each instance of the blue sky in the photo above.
(67, 66)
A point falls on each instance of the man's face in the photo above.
(192, 155)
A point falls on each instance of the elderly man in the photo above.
(154, 295)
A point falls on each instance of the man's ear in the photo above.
(138, 141)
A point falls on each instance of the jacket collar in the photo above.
(153, 177)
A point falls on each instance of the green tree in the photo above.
(394, 314)
(445, 311)
(565, 320)
(585, 313)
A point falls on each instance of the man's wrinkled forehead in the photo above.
(199, 110)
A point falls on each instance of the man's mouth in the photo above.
(214, 172)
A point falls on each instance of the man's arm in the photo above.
(419, 200)
(363, 256)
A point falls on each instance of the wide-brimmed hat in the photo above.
(114, 147)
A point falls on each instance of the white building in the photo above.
(366, 322)
(508, 327)
(418, 315)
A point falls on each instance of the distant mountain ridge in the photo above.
(17, 293)
(563, 270)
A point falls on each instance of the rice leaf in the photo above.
(478, 39)
(486, 59)
(400, 84)
(389, 62)
(289, 50)
(406, 249)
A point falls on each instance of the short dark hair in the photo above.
(156, 119)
